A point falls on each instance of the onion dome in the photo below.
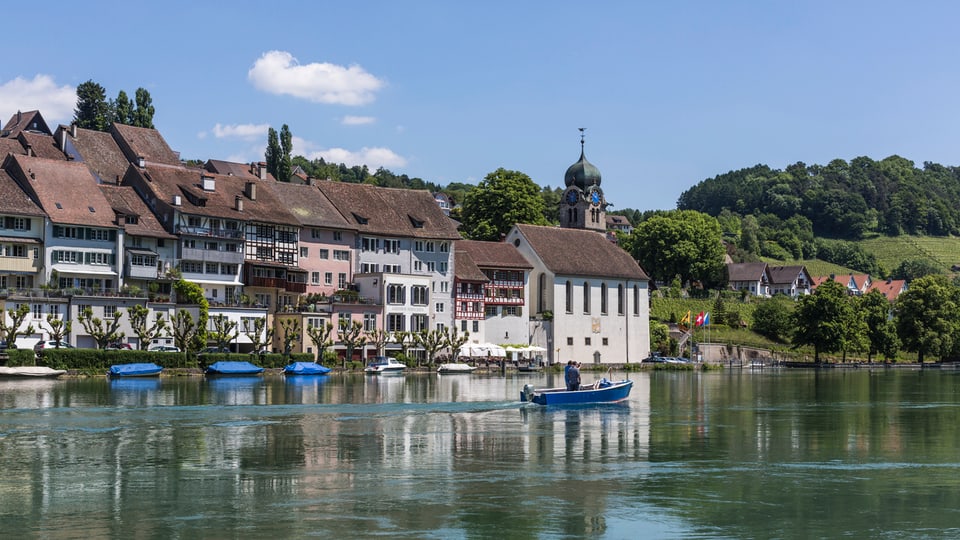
(582, 174)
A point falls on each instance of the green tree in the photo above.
(143, 115)
(273, 154)
(453, 340)
(926, 316)
(404, 339)
(104, 332)
(122, 109)
(146, 333)
(184, 331)
(683, 243)
(911, 269)
(285, 164)
(499, 201)
(12, 330)
(379, 338)
(821, 319)
(189, 292)
(93, 111)
(881, 330)
(320, 336)
(659, 337)
(772, 318)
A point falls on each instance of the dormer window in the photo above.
(417, 223)
(360, 219)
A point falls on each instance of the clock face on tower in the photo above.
(595, 198)
(572, 197)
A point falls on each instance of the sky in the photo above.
(669, 93)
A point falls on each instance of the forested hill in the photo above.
(841, 199)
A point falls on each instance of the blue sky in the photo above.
(670, 92)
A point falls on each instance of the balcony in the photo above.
(137, 271)
(207, 232)
(19, 264)
(503, 301)
(209, 255)
(276, 283)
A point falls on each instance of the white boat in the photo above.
(384, 364)
(30, 371)
(455, 368)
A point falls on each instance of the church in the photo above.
(588, 298)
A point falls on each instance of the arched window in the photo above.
(569, 297)
(603, 298)
(636, 300)
(621, 300)
(586, 297)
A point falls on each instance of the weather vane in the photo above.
(581, 137)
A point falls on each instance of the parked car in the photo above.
(214, 350)
(163, 348)
(41, 345)
(118, 347)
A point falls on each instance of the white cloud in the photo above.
(278, 72)
(357, 120)
(373, 158)
(55, 103)
(241, 131)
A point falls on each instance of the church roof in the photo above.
(575, 252)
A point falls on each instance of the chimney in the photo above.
(176, 200)
(29, 150)
(309, 181)
(239, 203)
(207, 182)
(141, 162)
(251, 191)
(73, 130)
(63, 140)
(262, 170)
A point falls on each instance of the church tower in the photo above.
(583, 205)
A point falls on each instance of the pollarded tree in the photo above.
(431, 341)
(453, 340)
(683, 243)
(499, 201)
(259, 335)
(93, 111)
(379, 338)
(404, 339)
(351, 335)
(104, 332)
(146, 333)
(821, 320)
(224, 331)
(183, 330)
(58, 328)
(320, 336)
(926, 316)
(12, 330)
(290, 333)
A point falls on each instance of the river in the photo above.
(769, 453)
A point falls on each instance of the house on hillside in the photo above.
(792, 281)
(751, 277)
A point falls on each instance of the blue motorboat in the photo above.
(233, 368)
(602, 391)
(305, 368)
(143, 369)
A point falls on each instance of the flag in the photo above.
(699, 321)
(706, 319)
(685, 319)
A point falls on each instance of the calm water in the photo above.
(772, 454)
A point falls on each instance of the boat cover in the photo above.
(233, 368)
(305, 368)
(135, 370)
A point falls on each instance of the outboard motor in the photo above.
(527, 394)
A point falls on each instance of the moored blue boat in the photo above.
(602, 391)
(233, 368)
(142, 369)
(305, 368)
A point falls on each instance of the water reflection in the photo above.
(709, 455)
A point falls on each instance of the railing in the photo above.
(503, 300)
(210, 233)
(141, 272)
(19, 264)
(469, 315)
(67, 293)
(210, 255)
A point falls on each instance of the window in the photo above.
(314, 322)
(303, 252)
(621, 301)
(37, 311)
(341, 255)
(439, 307)
(444, 286)
(81, 308)
(442, 268)
(418, 245)
(490, 311)
(369, 322)
(603, 298)
(341, 281)
(328, 278)
(110, 312)
(315, 233)
(476, 326)
(636, 300)
(391, 246)
(212, 268)
(315, 278)
(430, 247)
(229, 269)
(463, 326)
(586, 297)
(337, 236)
(606, 342)
(514, 311)
(395, 322)
(15, 251)
(418, 322)
(343, 321)
(396, 294)
(417, 266)
(99, 258)
(586, 341)
(369, 244)
(444, 247)
(569, 341)
(419, 295)
(324, 253)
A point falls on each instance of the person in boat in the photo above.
(573, 382)
(566, 373)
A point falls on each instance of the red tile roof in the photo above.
(494, 254)
(576, 252)
(137, 142)
(65, 190)
(125, 201)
